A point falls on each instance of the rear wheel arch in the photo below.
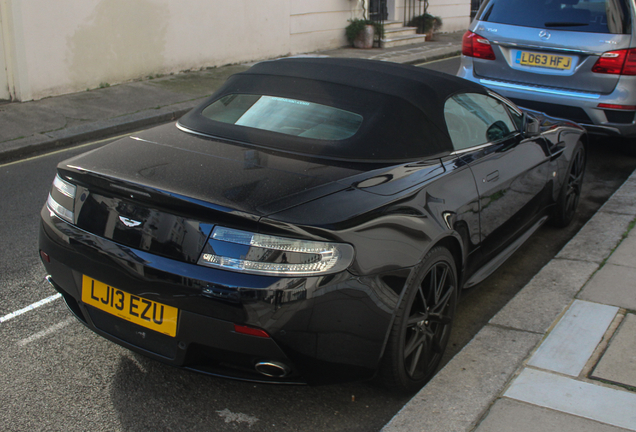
(570, 191)
(455, 247)
(421, 328)
(452, 243)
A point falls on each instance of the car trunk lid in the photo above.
(548, 58)
(163, 190)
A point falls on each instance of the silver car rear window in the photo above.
(591, 16)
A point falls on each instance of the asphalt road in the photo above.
(57, 375)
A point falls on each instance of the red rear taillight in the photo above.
(476, 46)
(619, 62)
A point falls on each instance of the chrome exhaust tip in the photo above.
(272, 369)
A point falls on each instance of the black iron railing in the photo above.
(414, 8)
(378, 11)
(474, 7)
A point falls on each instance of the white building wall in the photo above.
(80, 44)
(14, 60)
(4, 80)
(67, 46)
(455, 14)
(319, 24)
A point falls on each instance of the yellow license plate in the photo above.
(146, 313)
(551, 61)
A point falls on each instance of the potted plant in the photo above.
(426, 24)
(361, 33)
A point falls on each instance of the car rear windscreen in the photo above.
(592, 16)
(378, 113)
(285, 115)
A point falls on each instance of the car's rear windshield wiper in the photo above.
(564, 24)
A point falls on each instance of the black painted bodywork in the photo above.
(325, 328)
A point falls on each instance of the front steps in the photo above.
(395, 34)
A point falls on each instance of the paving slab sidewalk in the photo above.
(560, 356)
(40, 126)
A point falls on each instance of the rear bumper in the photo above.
(200, 345)
(580, 107)
(322, 329)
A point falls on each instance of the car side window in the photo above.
(474, 119)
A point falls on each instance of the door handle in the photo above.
(493, 176)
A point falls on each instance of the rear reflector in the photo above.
(45, 256)
(250, 331)
(618, 107)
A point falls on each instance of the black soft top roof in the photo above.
(424, 88)
(402, 106)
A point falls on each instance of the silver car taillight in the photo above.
(254, 253)
(62, 199)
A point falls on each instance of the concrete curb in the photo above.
(55, 140)
(461, 394)
(418, 55)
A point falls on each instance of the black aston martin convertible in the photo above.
(314, 220)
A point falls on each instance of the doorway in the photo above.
(391, 12)
(378, 10)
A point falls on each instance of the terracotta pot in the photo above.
(365, 38)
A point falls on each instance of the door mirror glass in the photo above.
(533, 127)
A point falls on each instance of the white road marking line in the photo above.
(238, 418)
(46, 332)
(30, 307)
(436, 61)
(137, 363)
(65, 149)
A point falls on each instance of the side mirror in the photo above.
(532, 126)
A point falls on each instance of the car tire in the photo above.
(627, 146)
(422, 324)
(570, 193)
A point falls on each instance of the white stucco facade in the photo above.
(50, 48)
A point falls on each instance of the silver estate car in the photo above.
(574, 59)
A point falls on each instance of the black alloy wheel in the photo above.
(570, 193)
(423, 323)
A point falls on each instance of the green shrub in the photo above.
(357, 25)
(425, 23)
